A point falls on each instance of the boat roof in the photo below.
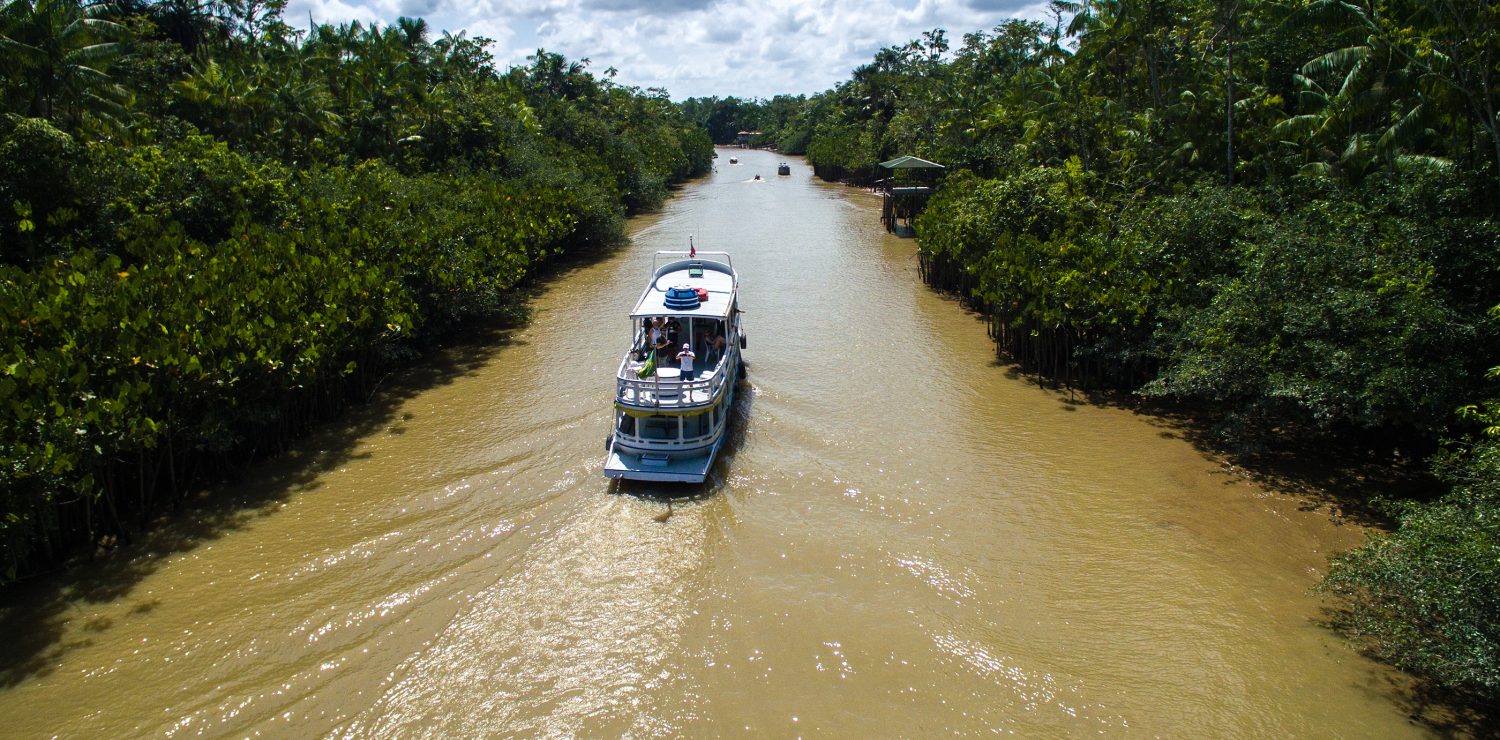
(705, 271)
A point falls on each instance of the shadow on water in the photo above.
(1444, 715)
(34, 615)
(1351, 482)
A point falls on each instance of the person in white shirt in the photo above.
(685, 361)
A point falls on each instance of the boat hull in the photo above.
(668, 470)
(659, 467)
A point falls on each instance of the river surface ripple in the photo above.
(901, 539)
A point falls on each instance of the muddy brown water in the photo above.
(902, 538)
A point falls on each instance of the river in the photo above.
(901, 538)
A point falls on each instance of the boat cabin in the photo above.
(688, 302)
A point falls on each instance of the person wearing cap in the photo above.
(685, 361)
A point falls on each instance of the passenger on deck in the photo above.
(685, 361)
(700, 342)
(644, 348)
(659, 340)
(715, 350)
(674, 330)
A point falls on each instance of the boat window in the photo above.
(659, 427)
(694, 426)
(627, 424)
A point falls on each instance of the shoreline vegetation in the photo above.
(1284, 216)
(219, 231)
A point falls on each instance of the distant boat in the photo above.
(734, 160)
(783, 169)
(757, 177)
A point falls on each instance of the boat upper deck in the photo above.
(703, 271)
(665, 391)
(706, 274)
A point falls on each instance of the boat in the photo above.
(757, 177)
(668, 428)
(783, 169)
(734, 160)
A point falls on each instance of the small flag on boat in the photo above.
(692, 250)
(648, 368)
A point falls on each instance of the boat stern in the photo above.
(657, 467)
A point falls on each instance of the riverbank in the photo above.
(938, 544)
(152, 369)
(1356, 478)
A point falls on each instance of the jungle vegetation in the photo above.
(216, 229)
(1283, 214)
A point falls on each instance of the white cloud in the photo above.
(693, 47)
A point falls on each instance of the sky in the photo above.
(692, 48)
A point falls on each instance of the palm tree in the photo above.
(1385, 95)
(60, 52)
(224, 99)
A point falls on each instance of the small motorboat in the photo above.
(783, 169)
(757, 178)
(734, 160)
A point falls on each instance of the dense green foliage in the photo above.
(781, 121)
(1284, 214)
(216, 229)
(1426, 597)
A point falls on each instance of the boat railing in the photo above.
(656, 263)
(653, 392)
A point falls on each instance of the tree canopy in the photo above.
(216, 229)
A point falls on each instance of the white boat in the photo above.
(667, 427)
